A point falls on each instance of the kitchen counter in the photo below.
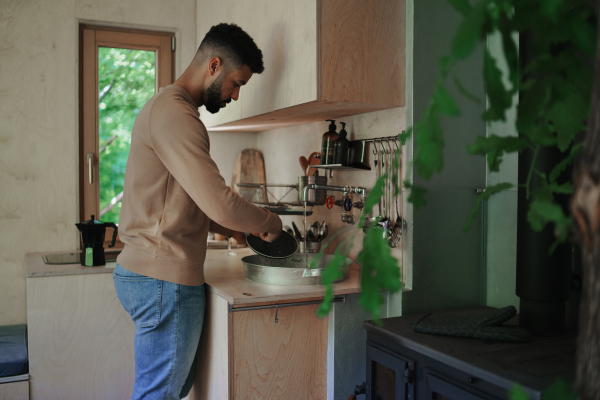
(36, 267)
(224, 275)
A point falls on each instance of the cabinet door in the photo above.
(389, 376)
(279, 354)
(286, 33)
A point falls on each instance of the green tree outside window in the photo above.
(126, 80)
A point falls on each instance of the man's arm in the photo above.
(181, 142)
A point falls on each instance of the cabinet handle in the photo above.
(90, 163)
(336, 299)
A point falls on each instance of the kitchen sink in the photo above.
(289, 271)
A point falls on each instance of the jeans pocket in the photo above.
(140, 296)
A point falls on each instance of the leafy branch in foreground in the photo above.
(554, 88)
(380, 270)
(559, 390)
(554, 91)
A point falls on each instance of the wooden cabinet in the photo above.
(323, 59)
(80, 338)
(261, 354)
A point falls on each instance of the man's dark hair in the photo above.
(233, 45)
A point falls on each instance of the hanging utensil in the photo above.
(398, 228)
(377, 174)
(378, 155)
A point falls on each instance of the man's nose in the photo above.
(236, 94)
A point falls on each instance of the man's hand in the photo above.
(239, 237)
(268, 237)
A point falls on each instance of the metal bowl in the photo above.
(289, 271)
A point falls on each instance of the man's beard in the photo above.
(213, 94)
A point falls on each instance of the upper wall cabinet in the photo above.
(323, 59)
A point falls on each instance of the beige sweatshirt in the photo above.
(174, 194)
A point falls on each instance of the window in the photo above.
(120, 69)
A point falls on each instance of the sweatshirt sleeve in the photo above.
(221, 230)
(181, 142)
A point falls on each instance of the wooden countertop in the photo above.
(36, 267)
(224, 275)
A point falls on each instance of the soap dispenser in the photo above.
(340, 147)
(329, 139)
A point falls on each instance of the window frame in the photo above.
(91, 37)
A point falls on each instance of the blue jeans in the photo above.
(168, 322)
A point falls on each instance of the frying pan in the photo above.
(284, 246)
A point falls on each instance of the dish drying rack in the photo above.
(262, 195)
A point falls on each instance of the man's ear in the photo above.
(214, 66)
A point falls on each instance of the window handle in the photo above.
(90, 162)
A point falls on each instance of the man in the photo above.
(174, 195)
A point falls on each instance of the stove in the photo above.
(406, 365)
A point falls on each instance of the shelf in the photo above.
(287, 211)
(340, 167)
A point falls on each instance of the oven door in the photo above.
(389, 376)
(440, 387)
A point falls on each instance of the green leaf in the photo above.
(444, 103)
(429, 144)
(542, 134)
(517, 393)
(374, 195)
(465, 92)
(561, 166)
(531, 103)
(583, 35)
(500, 98)
(565, 188)
(551, 8)
(462, 6)
(559, 390)
(542, 212)
(333, 271)
(416, 196)
(484, 196)
(446, 63)
(495, 146)
(405, 135)
(469, 31)
(569, 116)
(511, 54)
(380, 270)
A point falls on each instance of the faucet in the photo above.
(345, 189)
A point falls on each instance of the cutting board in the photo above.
(312, 160)
(249, 168)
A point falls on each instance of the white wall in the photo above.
(501, 223)
(39, 133)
